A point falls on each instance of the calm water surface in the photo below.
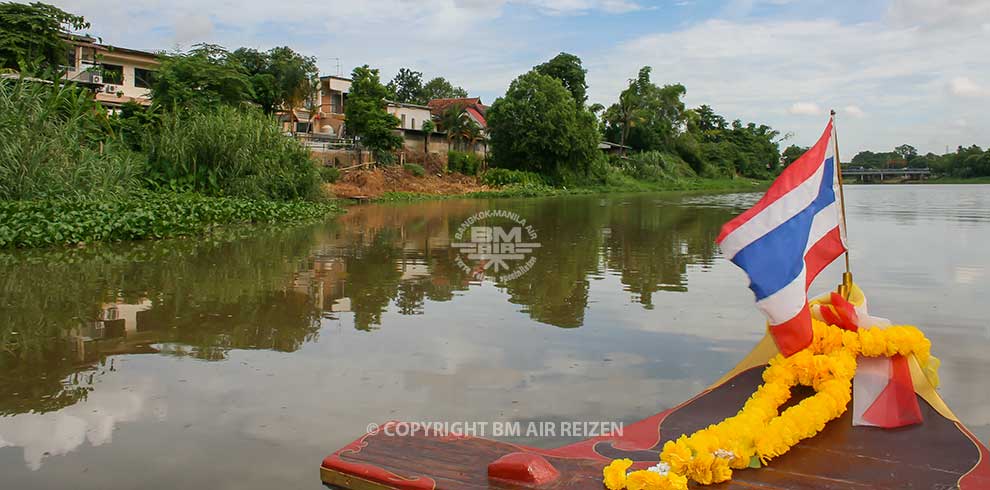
(240, 363)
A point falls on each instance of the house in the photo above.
(411, 119)
(117, 75)
(332, 96)
(472, 109)
(610, 148)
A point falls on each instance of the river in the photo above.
(241, 361)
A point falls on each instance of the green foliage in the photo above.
(792, 153)
(567, 68)
(440, 88)
(329, 175)
(965, 163)
(366, 114)
(656, 166)
(407, 87)
(31, 36)
(203, 77)
(54, 142)
(499, 177)
(647, 116)
(227, 151)
(415, 169)
(280, 78)
(150, 216)
(462, 162)
(537, 127)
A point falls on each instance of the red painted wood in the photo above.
(523, 467)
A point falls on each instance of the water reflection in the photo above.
(628, 309)
(66, 312)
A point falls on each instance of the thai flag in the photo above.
(787, 238)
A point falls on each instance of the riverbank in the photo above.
(955, 180)
(395, 184)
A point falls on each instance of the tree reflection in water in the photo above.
(67, 312)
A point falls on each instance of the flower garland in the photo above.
(759, 432)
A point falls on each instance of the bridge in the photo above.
(864, 174)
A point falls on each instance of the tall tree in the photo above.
(31, 36)
(407, 87)
(567, 68)
(440, 88)
(204, 76)
(536, 126)
(366, 114)
(280, 77)
(792, 153)
(647, 117)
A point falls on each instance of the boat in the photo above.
(938, 453)
(830, 398)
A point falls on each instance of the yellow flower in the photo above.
(720, 470)
(677, 454)
(615, 474)
(644, 480)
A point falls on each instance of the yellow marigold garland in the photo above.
(759, 430)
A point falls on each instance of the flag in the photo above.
(787, 238)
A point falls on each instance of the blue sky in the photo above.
(897, 71)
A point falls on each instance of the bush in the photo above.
(54, 143)
(415, 169)
(499, 177)
(466, 163)
(230, 152)
(148, 216)
(329, 174)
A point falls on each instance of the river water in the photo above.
(241, 361)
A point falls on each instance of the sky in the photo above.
(896, 71)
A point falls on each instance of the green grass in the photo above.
(955, 180)
(39, 223)
(626, 186)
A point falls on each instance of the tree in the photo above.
(906, 152)
(428, 129)
(440, 88)
(792, 153)
(407, 87)
(280, 77)
(366, 114)
(204, 76)
(536, 126)
(647, 117)
(567, 68)
(31, 36)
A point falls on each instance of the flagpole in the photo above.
(847, 278)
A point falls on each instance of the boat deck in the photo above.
(937, 454)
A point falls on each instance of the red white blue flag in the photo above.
(787, 238)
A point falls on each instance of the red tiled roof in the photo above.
(472, 105)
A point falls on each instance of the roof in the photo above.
(406, 104)
(471, 105)
(335, 77)
(83, 39)
(608, 145)
(440, 105)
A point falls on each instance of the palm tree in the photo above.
(452, 121)
(428, 128)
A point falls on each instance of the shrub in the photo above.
(230, 152)
(143, 216)
(466, 163)
(54, 143)
(498, 177)
(329, 174)
(415, 169)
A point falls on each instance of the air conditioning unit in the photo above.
(111, 89)
(97, 79)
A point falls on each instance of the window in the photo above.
(70, 58)
(143, 78)
(336, 103)
(412, 125)
(403, 123)
(113, 74)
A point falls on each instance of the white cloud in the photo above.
(751, 69)
(805, 109)
(854, 111)
(965, 87)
